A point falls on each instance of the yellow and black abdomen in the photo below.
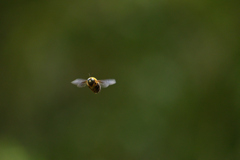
(96, 88)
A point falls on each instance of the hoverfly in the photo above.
(94, 84)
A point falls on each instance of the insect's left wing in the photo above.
(106, 82)
(80, 82)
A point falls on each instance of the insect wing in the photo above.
(79, 82)
(106, 82)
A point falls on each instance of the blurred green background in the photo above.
(176, 64)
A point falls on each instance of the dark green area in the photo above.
(177, 67)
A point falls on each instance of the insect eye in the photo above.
(90, 81)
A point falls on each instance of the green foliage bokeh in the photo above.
(176, 64)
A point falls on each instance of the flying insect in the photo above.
(94, 84)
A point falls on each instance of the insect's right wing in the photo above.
(106, 82)
(80, 82)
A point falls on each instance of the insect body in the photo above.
(94, 84)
